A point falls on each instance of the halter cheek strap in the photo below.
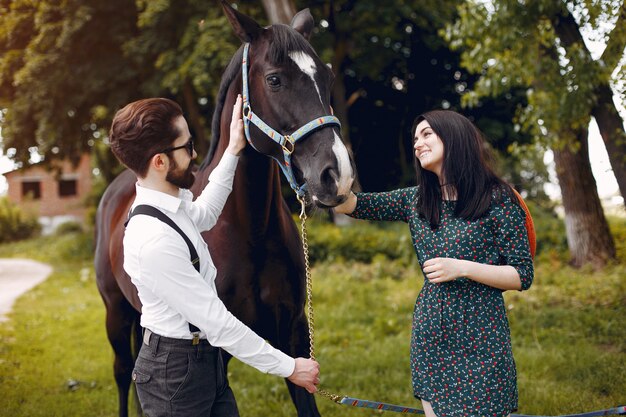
(286, 142)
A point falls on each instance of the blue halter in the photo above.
(287, 142)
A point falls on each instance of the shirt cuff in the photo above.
(286, 367)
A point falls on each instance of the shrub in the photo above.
(363, 242)
(618, 230)
(15, 224)
(550, 229)
(68, 228)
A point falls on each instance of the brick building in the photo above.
(56, 196)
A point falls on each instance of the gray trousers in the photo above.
(175, 379)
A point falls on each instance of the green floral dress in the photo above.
(461, 357)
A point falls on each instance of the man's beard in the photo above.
(180, 179)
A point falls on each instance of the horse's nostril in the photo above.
(329, 176)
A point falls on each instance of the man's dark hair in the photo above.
(142, 129)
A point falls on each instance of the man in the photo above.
(179, 370)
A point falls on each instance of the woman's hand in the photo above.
(502, 277)
(237, 138)
(438, 270)
(347, 206)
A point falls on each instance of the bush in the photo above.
(362, 243)
(68, 228)
(618, 230)
(15, 224)
(549, 228)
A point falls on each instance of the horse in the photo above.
(255, 244)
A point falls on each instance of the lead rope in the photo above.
(376, 405)
(309, 297)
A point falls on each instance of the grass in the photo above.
(568, 338)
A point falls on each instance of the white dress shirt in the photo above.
(171, 291)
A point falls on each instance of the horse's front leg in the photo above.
(295, 341)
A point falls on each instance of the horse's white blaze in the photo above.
(306, 65)
(345, 168)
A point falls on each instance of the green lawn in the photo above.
(568, 336)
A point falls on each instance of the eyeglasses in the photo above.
(188, 146)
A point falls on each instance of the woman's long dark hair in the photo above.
(465, 168)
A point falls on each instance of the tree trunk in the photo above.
(195, 119)
(340, 103)
(588, 235)
(609, 121)
(612, 132)
(279, 11)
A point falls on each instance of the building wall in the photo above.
(52, 204)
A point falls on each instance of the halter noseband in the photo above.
(286, 142)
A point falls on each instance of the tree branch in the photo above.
(567, 29)
(617, 40)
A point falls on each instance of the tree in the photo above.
(61, 64)
(66, 67)
(603, 108)
(279, 11)
(516, 45)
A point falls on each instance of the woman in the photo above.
(468, 233)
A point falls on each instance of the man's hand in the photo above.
(306, 374)
(237, 138)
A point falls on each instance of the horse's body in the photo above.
(255, 244)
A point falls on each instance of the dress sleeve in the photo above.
(511, 239)
(390, 205)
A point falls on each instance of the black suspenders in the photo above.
(195, 260)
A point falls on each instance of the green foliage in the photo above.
(68, 247)
(618, 230)
(515, 44)
(68, 228)
(550, 230)
(362, 242)
(65, 68)
(15, 224)
(65, 60)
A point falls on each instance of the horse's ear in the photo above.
(303, 23)
(246, 28)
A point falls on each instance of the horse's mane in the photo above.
(233, 68)
(284, 40)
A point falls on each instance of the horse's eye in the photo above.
(273, 81)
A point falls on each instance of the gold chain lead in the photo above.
(309, 296)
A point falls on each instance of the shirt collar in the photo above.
(160, 199)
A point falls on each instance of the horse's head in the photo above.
(289, 86)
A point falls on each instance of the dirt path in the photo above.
(16, 277)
